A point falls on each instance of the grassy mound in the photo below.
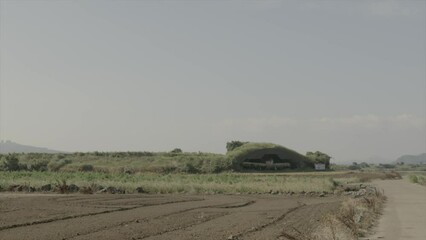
(116, 162)
(239, 154)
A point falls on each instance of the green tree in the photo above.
(319, 157)
(176, 150)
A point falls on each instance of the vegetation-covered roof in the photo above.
(257, 150)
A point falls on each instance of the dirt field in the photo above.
(52, 216)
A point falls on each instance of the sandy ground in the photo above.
(50, 216)
(404, 216)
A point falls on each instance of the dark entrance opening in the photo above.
(268, 161)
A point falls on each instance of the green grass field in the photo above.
(176, 183)
(165, 172)
(226, 183)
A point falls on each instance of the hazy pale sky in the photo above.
(344, 77)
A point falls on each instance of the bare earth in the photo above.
(50, 216)
(404, 216)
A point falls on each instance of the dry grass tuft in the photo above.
(354, 218)
(61, 186)
(419, 179)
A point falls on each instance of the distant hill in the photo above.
(412, 159)
(12, 147)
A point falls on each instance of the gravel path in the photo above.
(404, 215)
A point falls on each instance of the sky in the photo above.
(344, 77)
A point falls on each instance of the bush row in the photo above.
(171, 162)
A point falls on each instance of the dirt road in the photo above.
(404, 217)
(78, 216)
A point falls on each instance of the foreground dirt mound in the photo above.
(140, 216)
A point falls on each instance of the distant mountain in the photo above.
(12, 147)
(412, 159)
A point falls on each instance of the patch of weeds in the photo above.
(61, 186)
(417, 179)
(354, 218)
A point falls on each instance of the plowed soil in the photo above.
(107, 216)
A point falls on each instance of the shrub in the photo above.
(86, 168)
(189, 167)
(414, 179)
(41, 165)
(216, 165)
(176, 150)
(11, 163)
(55, 165)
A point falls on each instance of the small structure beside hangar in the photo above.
(320, 166)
